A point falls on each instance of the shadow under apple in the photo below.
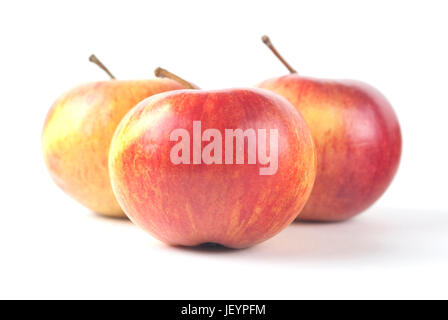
(392, 235)
(395, 235)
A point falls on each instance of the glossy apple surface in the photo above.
(357, 138)
(77, 135)
(228, 204)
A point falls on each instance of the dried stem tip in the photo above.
(162, 73)
(97, 61)
(269, 44)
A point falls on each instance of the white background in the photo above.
(51, 247)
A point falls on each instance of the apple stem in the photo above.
(269, 44)
(162, 73)
(97, 61)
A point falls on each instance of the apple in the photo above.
(230, 167)
(77, 134)
(357, 138)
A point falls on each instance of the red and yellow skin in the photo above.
(357, 138)
(228, 204)
(77, 135)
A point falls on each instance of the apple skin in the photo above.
(77, 135)
(231, 205)
(357, 138)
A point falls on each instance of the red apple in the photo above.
(77, 134)
(179, 172)
(357, 138)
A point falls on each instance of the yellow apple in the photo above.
(78, 131)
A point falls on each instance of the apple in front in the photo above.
(232, 167)
(357, 138)
(77, 135)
